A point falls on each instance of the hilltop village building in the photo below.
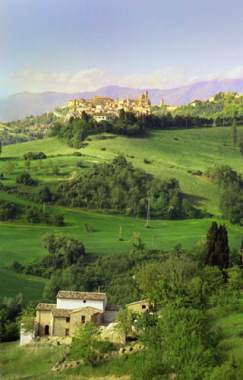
(71, 310)
(103, 108)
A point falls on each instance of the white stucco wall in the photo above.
(64, 303)
(26, 337)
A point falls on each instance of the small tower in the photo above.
(75, 107)
(162, 102)
(146, 97)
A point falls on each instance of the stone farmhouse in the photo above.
(71, 310)
(103, 108)
(139, 307)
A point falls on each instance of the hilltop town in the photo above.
(103, 108)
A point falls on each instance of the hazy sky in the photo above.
(74, 45)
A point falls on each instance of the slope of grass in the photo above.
(36, 361)
(171, 154)
(12, 283)
(232, 328)
(28, 362)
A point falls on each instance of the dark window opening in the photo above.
(84, 301)
(83, 318)
(46, 330)
(68, 319)
(66, 332)
(143, 306)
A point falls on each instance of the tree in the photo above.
(25, 179)
(84, 344)
(67, 249)
(234, 133)
(241, 145)
(217, 247)
(27, 318)
(180, 344)
(124, 320)
(45, 195)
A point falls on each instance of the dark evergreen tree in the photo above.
(210, 244)
(221, 252)
(217, 247)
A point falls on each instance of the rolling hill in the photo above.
(175, 154)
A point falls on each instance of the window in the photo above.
(66, 332)
(84, 301)
(83, 318)
(68, 319)
(143, 306)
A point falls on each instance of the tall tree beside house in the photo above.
(217, 247)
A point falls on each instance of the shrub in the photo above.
(35, 156)
(77, 154)
(8, 211)
(25, 179)
(45, 195)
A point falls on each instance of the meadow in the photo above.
(178, 153)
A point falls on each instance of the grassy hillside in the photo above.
(171, 154)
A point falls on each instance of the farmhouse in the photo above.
(71, 310)
(139, 307)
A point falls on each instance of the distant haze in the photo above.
(24, 104)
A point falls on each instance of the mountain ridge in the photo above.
(22, 104)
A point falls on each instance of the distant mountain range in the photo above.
(24, 104)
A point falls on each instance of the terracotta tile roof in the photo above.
(45, 306)
(81, 295)
(61, 313)
(87, 309)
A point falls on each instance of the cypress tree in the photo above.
(217, 247)
(210, 245)
(221, 252)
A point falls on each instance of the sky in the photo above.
(78, 45)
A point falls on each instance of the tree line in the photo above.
(119, 186)
(76, 130)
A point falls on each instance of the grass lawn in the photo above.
(11, 283)
(28, 362)
(172, 154)
(35, 362)
(27, 243)
(232, 328)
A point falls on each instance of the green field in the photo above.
(171, 153)
(11, 283)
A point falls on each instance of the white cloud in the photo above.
(167, 77)
(234, 73)
(32, 80)
(93, 78)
